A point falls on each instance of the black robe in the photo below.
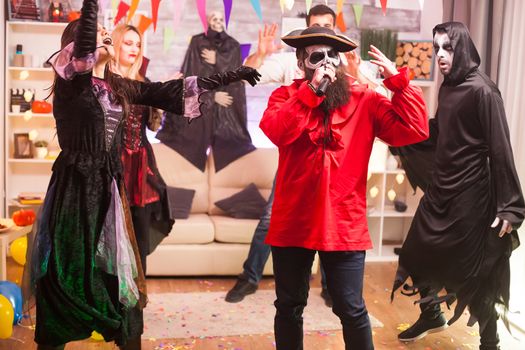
(224, 129)
(472, 181)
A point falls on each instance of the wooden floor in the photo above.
(378, 280)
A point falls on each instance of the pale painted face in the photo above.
(444, 52)
(216, 21)
(129, 48)
(326, 21)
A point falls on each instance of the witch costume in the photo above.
(473, 180)
(85, 268)
(223, 128)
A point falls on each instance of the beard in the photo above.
(337, 93)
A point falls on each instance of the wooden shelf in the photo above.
(33, 115)
(31, 160)
(30, 69)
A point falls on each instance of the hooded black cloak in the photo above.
(472, 181)
(224, 129)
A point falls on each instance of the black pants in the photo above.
(344, 276)
(141, 217)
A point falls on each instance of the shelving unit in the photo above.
(40, 40)
(387, 227)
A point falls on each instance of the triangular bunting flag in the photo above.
(201, 8)
(358, 12)
(168, 38)
(339, 6)
(144, 23)
(132, 9)
(308, 5)
(245, 51)
(227, 10)
(155, 13)
(340, 22)
(121, 12)
(257, 7)
(383, 6)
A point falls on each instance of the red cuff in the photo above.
(399, 81)
(307, 96)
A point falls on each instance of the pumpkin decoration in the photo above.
(41, 107)
(24, 217)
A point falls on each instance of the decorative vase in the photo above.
(40, 152)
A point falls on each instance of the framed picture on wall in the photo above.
(23, 146)
(24, 10)
(418, 57)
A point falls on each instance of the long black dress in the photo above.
(450, 243)
(85, 263)
(222, 128)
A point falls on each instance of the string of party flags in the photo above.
(125, 12)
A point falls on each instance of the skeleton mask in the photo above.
(321, 55)
(216, 21)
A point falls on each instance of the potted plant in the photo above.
(41, 149)
(384, 39)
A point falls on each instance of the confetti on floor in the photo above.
(187, 315)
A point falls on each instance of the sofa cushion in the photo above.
(196, 229)
(178, 172)
(258, 167)
(231, 230)
(180, 200)
(246, 204)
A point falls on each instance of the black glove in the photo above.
(86, 32)
(221, 79)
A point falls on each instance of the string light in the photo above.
(23, 75)
(391, 195)
(28, 95)
(400, 178)
(28, 115)
(33, 134)
(374, 191)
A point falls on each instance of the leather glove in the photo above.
(86, 33)
(221, 79)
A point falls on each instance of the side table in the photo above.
(6, 238)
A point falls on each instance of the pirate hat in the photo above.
(319, 36)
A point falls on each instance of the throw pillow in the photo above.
(246, 204)
(180, 200)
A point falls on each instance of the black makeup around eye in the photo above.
(316, 57)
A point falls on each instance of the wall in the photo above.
(2, 116)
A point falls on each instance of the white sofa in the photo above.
(209, 242)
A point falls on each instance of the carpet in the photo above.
(186, 315)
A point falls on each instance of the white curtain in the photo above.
(511, 82)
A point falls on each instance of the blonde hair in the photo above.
(118, 37)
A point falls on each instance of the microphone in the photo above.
(323, 85)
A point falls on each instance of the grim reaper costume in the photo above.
(450, 243)
(222, 128)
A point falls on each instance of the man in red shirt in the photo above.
(320, 193)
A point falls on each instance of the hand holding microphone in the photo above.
(323, 76)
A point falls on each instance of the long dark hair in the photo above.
(124, 89)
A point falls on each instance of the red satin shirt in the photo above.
(320, 193)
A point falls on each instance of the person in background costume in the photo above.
(224, 123)
(84, 264)
(145, 187)
(464, 230)
(320, 192)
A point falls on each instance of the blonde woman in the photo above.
(145, 188)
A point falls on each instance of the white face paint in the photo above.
(321, 55)
(444, 52)
(216, 21)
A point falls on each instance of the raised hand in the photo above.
(386, 67)
(266, 45)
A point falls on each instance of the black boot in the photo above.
(242, 288)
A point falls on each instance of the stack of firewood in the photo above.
(417, 56)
